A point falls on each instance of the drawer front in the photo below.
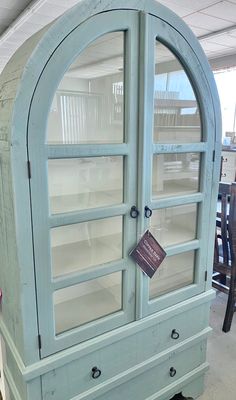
(228, 167)
(228, 159)
(158, 377)
(118, 356)
(145, 380)
(228, 175)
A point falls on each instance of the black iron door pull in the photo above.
(172, 372)
(96, 372)
(174, 334)
(134, 212)
(147, 212)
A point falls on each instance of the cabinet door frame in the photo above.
(39, 153)
(139, 147)
(154, 28)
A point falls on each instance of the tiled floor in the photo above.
(220, 381)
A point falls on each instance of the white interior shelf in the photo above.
(175, 272)
(75, 256)
(88, 301)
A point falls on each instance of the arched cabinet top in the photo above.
(19, 79)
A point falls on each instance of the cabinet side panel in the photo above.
(11, 366)
(9, 273)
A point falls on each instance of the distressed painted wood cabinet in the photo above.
(112, 107)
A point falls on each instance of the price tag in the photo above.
(148, 254)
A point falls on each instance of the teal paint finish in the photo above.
(200, 304)
(90, 30)
(27, 87)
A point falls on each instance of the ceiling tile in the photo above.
(231, 31)
(225, 39)
(203, 16)
(29, 28)
(4, 20)
(9, 14)
(199, 31)
(69, 3)
(189, 4)
(223, 9)
(204, 21)
(38, 19)
(5, 52)
(226, 52)
(207, 45)
(15, 4)
(175, 7)
(52, 10)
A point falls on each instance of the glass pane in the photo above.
(174, 225)
(87, 301)
(78, 184)
(88, 104)
(176, 112)
(175, 174)
(88, 244)
(175, 272)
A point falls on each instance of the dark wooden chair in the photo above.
(224, 267)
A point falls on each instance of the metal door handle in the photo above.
(134, 212)
(147, 212)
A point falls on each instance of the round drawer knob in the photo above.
(174, 334)
(96, 372)
(172, 372)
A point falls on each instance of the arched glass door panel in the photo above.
(88, 104)
(87, 174)
(176, 109)
(180, 140)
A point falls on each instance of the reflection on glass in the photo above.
(87, 301)
(175, 174)
(77, 184)
(175, 272)
(174, 225)
(88, 244)
(176, 112)
(88, 104)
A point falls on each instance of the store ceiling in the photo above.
(213, 21)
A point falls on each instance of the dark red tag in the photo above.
(148, 254)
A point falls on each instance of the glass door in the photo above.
(176, 165)
(86, 171)
(128, 127)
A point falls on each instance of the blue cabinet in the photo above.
(108, 112)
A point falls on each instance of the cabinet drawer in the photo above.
(228, 175)
(120, 355)
(158, 372)
(228, 160)
(158, 377)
